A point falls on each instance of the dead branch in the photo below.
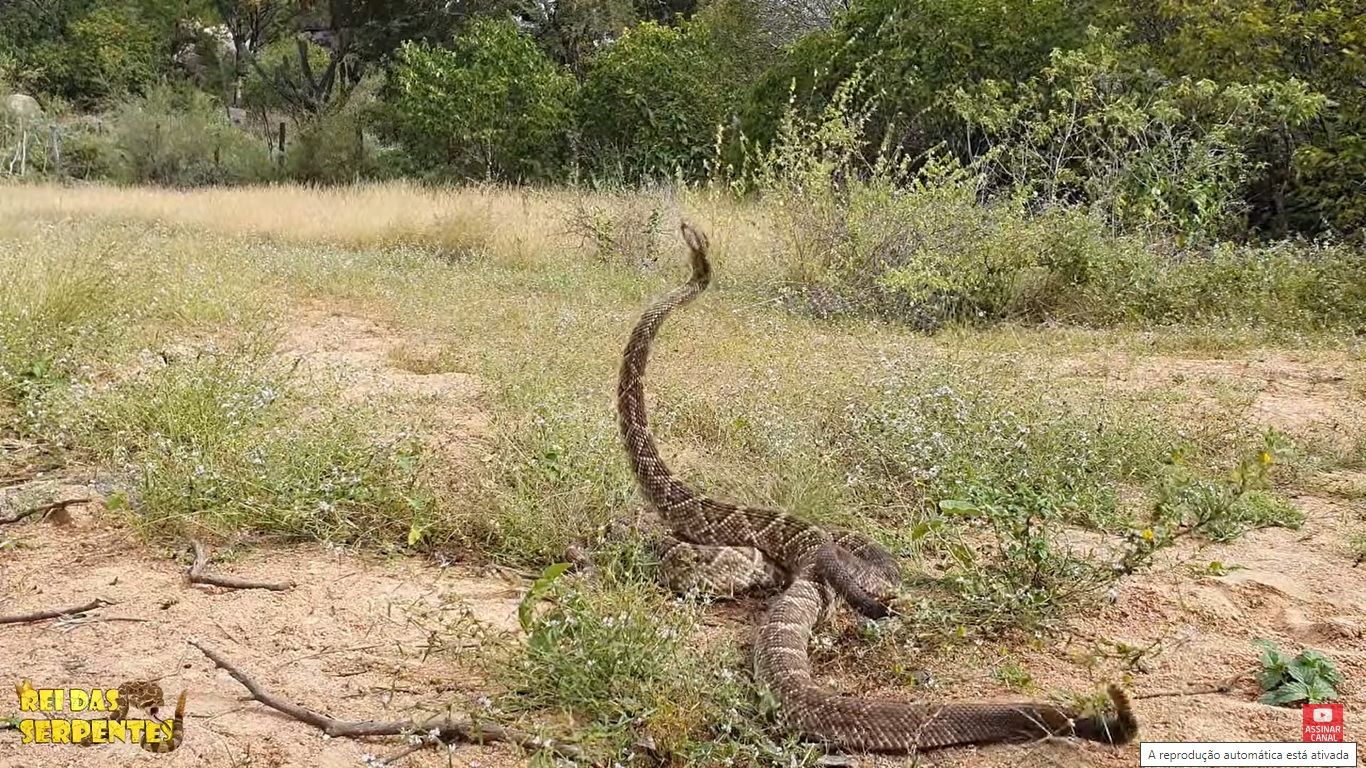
(446, 730)
(42, 509)
(25, 618)
(402, 753)
(1222, 686)
(201, 560)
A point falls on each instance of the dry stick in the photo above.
(1223, 686)
(41, 509)
(197, 575)
(402, 753)
(9, 481)
(24, 618)
(447, 730)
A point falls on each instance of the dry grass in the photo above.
(513, 226)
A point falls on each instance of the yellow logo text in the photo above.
(75, 730)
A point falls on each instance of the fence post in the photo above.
(23, 147)
(360, 149)
(57, 149)
(281, 157)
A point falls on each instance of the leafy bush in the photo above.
(1149, 152)
(1317, 187)
(915, 54)
(630, 666)
(647, 105)
(183, 138)
(652, 103)
(1309, 677)
(88, 150)
(336, 146)
(494, 105)
(88, 52)
(929, 245)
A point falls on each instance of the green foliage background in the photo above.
(1233, 120)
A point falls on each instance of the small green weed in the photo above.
(1214, 568)
(1013, 676)
(628, 665)
(1190, 504)
(1356, 544)
(1309, 677)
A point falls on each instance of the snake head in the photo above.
(695, 238)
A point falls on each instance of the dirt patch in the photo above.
(353, 640)
(1282, 392)
(372, 362)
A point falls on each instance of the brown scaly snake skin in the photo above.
(726, 547)
(148, 697)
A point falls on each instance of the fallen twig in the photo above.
(402, 753)
(1223, 686)
(9, 481)
(446, 730)
(41, 509)
(24, 618)
(197, 575)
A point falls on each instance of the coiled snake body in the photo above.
(148, 697)
(727, 547)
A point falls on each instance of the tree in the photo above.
(653, 101)
(1312, 177)
(914, 54)
(572, 30)
(88, 51)
(251, 24)
(492, 106)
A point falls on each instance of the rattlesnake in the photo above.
(723, 546)
(148, 697)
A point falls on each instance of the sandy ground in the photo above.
(350, 638)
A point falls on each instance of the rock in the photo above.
(23, 106)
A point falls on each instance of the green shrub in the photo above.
(88, 53)
(1307, 180)
(494, 105)
(914, 54)
(88, 150)
(632, 669)
(653, 101)
(1308, 678)
(1172, 155)
(647, 106)
(336, 146)
(183, 138)
(930, 245)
